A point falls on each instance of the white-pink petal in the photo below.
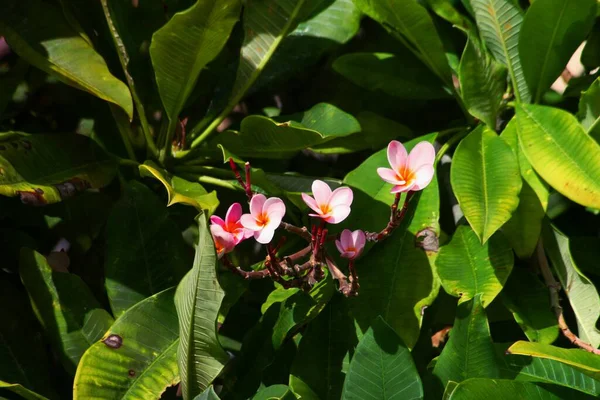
(338, 214)
(321, 192)
(359, 239)
(389, 176)
(256, 204)
(265, 235)
(233, 214)
(274, 207)
(311, 202)
(423, 176)
(397, 156)
(249, 222)
(403, 188)
(422, 154)
(216, 220)
(341, 196)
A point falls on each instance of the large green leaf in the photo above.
(198, 299)
(479, 388)
(485, 179)
(510, 135)
(589, 110)
(527, 298)
(410, 20)
(146, 253)
(546, 370)
(468, 268)
(582, 293)
(402, 77)
(180, 190)
(266, 23)
(482, 83)
(396, 279)
(137, 357)
(499, 23)
(469, 352)
(266, 138)
(382, 367)
(584, 361)
(71, 316)
(324, 350)
(275, 392)
(24, 365)
(39, 32)
(21, 391)
(561, 152)
(47, 168)
(185, 45)
(208, 394)
(552, 30)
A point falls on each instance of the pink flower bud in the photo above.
(224, 241)
(333, 207)
(232, 223)
(265, 216)
(351, 244)
(409, 172)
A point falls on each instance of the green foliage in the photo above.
(135, 133)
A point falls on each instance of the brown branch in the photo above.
(302, 232)
(263, 273)
(396, 217)
(353, 277)
(554, 288)
(344, 286)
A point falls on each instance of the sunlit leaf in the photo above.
(137, 357)
(478, 388)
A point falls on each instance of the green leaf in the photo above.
(478, 388)
(275, 392)
(266, 23)
(524, 226)
(584, 361)
(396, 279)
(510, 136)
(482, 83)
(48, 168)
(561, 152)
(137, 357)
(146, 253)
(582, 294)
(24, 365)
(324, 350)
(39, 33)
(590, 56)
(401, 77)
(185, 45)
(469, 352)
(548, 39)
(263, 137)
(382, 367)
(21, 391)
(527, 298)
(208, 394)
(468, 268)
(485, 179)
(589, 110)
(334, 23)
(410, 20)
(71, 316)
(376, 132)
(180, 190)
(543, 370)
(198, 299)
(499, 23)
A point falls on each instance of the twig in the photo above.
(554, 287)
(396, 218)
(245, 274)
(344, 286)
(302, 232)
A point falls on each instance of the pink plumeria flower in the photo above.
(333, 207)
(410, 172)
(224, 241)
(351, 244)
(265, 216)
(232, 223)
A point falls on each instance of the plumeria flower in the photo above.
(232, 223)
(265, 216)
(351, 244)
(333, 207)
(410, 172)
(224, 241)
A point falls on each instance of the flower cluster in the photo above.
(408, 173)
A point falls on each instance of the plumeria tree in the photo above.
(294, 199)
